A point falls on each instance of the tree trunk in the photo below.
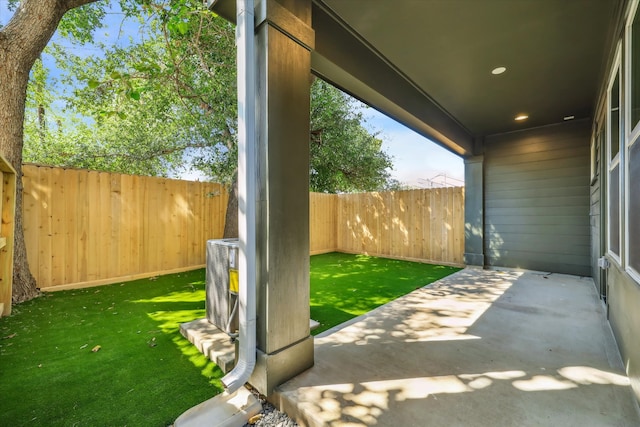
(231, 217)
(21, 42)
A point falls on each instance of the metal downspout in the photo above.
(247, 180)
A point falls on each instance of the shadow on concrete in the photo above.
(478, 348)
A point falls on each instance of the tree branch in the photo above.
(72, 4)
(32, 26)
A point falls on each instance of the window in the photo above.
(633, 55)
(633, 209)
(614, 138)
(594, 158)
(614, 119)
(630, 183)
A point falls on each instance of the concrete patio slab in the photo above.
(478, 348)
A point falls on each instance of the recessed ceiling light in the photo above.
(569, 117)
(498, 70)
(521, 117)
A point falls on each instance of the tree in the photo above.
(21, 42)
(179, 81)
(181, 76)
(144, 107)
(345, 156)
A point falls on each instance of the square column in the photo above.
(284, 40)
(474, 211)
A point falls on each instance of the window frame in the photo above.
(627, 217)
(632, 137)
(595, 152)
(612, 163)
(628, 56)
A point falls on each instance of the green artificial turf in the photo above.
(145, 373)
(344, 286)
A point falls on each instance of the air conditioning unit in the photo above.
(222, 284)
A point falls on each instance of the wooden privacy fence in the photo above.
(88, 228)
(7, 213)
(422, 225)
(323, 223)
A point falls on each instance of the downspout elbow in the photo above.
(243, 369)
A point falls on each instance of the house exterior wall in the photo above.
(536, 199)
(621, 290)
(624, 316)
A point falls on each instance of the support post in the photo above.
(284, 40)
(474, 211)
(7, 233)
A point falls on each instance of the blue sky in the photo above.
(416, 160)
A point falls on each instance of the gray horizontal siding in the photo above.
(519, 259)
(541, 210)
(542, 229)
(527, 182)
(525, 174)
(551, 166)
(538, 220)
(563, 244)
(538, 156)
(537, 199)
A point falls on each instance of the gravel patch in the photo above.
(270, 416)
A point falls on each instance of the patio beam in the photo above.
(349, 62)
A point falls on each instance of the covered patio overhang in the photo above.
(428, 63)
(435, 67)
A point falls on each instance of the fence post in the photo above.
(7, 232)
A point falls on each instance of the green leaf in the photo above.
(142, 68)
(134, 94)
(93, 84)
(115, 75)
(182, 27)
(122, 115)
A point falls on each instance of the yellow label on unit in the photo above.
(233, 281)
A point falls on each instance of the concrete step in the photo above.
(214, 343)
(210, 341)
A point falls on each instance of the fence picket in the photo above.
(86, 228)
(425, 225)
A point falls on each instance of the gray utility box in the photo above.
(222, 283)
